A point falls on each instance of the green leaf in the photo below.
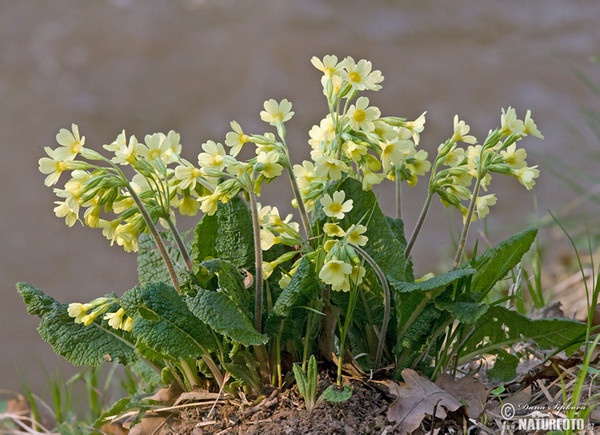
(301, 380)
(227, 235)
(466, 312)
(495, 263)
(437, 282)
(301, 289)
(501, 328)
(505, 366)
(231, 282)
(334, 394)
(80, 345)
(397, 227)
(163, 323)
(150, 264)
(223, 315)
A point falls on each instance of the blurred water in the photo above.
(193, 66)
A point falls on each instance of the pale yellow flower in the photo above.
(360, 75)
(276, 113)
(418, 163)
(209, 203)
(188, 206)
(330, 168)
(513, 157)
(371, 179)
(322, 134)
(213, 156)
(354, 151)
(304, 173)
(68, 210)
(156, 147)
(357, 275)
(336, 273)
(78, 310)
(71, 143)
(268, 164)
(510, 123)
(268, 239)
(394, 152)
(115, 320)
(529, 126)
(336, 207)
(187, 174)
(483, 204)
(333, 230)
(527, 176)
(361, 116)
(52, 166)
(416, 127)
(172, 140)
(236, 138)
(92, 217)
(461, 132)
(355, 235)
(328, 66)
(454, 157)
(125, 152)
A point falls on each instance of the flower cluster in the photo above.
(88, 312)
(354, 139)
(456, 167)
(342, 267)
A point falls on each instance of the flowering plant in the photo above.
(222, 306)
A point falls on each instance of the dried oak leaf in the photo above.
(468, 390)
(418, 398)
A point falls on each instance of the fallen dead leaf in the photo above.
(417, 399)
(468, 390)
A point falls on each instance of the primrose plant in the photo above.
(221, 306)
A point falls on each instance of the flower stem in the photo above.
(465, 231)
(180, 243)
(157, 239)
(398, 195)
(417, 229)
(258, 279)
(387, 301)
(299, 201)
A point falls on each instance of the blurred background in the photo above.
(193, 66)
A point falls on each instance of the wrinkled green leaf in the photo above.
(397, 227)
(231, 282)
(495, 263)
(466, 312)
(150, 264)
(80, 345)
(227, 235)
(225, 316)
(501, 327)
(163, 323)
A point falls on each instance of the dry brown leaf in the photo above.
(468, 390)
(154, 424)
(167, 395)
(418, 398)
